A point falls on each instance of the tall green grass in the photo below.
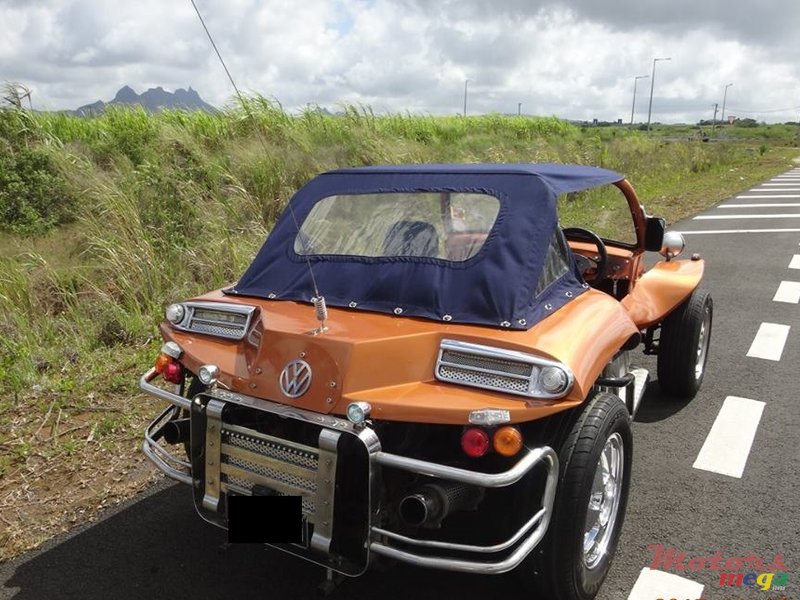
(170, 205)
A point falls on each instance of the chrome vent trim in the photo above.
(496, 369)
(218, 319)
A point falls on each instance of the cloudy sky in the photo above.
(575, 59)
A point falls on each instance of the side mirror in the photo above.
(654, 233)
(673, 245)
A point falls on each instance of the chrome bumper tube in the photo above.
(527, 537)
(172, 466)
(171, 397)
(419, 552)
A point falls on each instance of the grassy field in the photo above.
(104, 221)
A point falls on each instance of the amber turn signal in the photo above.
(162, 360)
(507, 441)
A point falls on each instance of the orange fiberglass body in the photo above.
(416, 348)
(354, 350)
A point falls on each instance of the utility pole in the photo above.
(652, 84)
(466, 83)
(724, 98)
(519, 109)
(714, 122)
(635, 81)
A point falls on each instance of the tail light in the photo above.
(167, 364)
(173, 372)
(475, 442)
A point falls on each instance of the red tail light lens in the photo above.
(173, 372)
(475, 442)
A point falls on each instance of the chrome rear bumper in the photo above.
(490, 559)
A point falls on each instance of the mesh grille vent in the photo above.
(483, 379)
(216, 328)
(487, 363)
(285, 454)
(218, 319)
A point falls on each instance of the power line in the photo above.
(317, 298)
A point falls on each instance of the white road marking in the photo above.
(774, 216)
(763, 205)
(753, 197)
(769, 341)
(652, 584)
(788, 291)
(728, 444)
(772, 195)
(778, 185)
(721, 231)
(795, 262)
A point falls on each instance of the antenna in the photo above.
(318, 300)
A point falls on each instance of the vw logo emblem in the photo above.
(295, 378)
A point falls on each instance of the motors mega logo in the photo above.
(751, 570)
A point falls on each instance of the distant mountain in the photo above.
(153, 100)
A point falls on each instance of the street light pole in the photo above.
(519, 109)
(714, 122)
(652, 84)
(635, 81)
(466, 83)
(724, 98)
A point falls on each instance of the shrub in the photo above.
(33, 195)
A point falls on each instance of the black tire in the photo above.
(683, 347)
(559, 568)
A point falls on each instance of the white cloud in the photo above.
(576, 59)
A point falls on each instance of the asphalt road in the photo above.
(156, 546)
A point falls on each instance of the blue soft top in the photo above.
(495, 287)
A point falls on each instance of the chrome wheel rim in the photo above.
(702, 345)
(601, 516)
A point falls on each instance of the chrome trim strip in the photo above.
(477, 478)
(213, 454)
(326, 491)
(502, 354)
(483, 567)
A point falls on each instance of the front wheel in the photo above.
(595, 457)
(683, 347)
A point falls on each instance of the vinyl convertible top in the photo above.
(501, 285)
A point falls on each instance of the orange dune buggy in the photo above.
(438, 370)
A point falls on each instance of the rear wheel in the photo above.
(595, 460)
(683, 348)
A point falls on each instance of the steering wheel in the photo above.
(600, 264)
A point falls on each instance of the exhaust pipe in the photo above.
(432, 502)
(176, 431)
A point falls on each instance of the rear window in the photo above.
(444, 225)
